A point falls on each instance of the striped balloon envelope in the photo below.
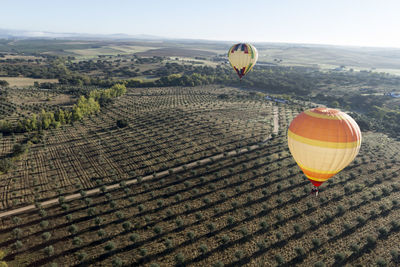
(323, 141)
(242, 57)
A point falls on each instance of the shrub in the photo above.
(247, 213)
(199, 215)
(77, 241)
(46, 236)
(225, 239)
(73, 229)
(98, 220)
(339, 257)
(346, 226)
(5, 165)
(300, 252)
(297, 228)
(218, 264)
(143, 252)
(179, 258)
(179, 222)
(355, 248)
(382, 232)
(101, 233)
(278, 235)
(17, 232)
(313, 224)
(127, 226)
(168, 243)
(133, 237)
(211, 227)
(238, 254)
(109, 246)
(117, 262)
(395, 256)
(230, 220)
(119, 215)
(203, 248)
(316, 242)
(190, 235)
(395, 225)
(82, 256)
(371, 241)
(158, 230)
(381, 262)
(264, 225)
(244, 231)
(340, 210)
(261, 245)
(279, 259)
(122, 123)
(18, 244)
(49, 250)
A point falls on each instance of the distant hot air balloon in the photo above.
(323, 141)
(242, 57)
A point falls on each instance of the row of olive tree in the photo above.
(85, 106)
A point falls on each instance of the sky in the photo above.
(338, 22)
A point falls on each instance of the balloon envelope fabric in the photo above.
(323, 141)
(242, 57)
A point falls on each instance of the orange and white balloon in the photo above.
(323, 141)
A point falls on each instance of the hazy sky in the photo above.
(345, 22)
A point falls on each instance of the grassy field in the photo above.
(200, 181)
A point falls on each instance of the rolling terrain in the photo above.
(195, 179)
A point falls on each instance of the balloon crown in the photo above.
(325, 111)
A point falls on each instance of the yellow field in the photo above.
(23, 81)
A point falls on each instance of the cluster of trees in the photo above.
(42, 121)
(85, 106)
(105, 96)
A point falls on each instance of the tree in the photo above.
(122, 123)
(335, 104)
(4, 83)
(5, 165)
(49, 250)
(2, 263)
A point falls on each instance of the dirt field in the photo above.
(192, 181)
(23, 81)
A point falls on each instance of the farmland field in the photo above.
(200, 176)
(24, 81)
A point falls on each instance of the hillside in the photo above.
(200, 176)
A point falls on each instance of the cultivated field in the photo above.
(23, 81)
(200, 177)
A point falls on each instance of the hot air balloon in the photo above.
(323, 141)
(242, 57)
